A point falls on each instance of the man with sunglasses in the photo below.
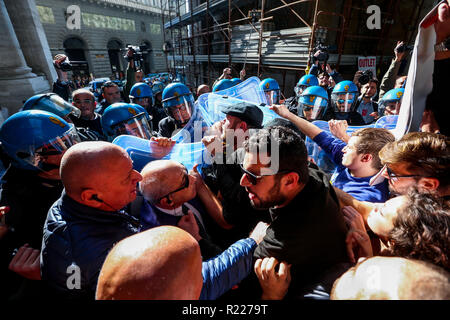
(307, 229)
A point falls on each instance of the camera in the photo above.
(138, 55)
(64, 66)
(365, 77)
(323, 55)
(404, 48)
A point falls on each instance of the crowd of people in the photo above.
(79, 221)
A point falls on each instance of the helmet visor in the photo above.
(343, 102)
(136, 126)
(312, 107)
(63, 106)
(299, 89)
(182, 113)
(143, 102)
(48, 156)
(273, 97)
(389, 107)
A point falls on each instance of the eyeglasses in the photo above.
(253, 178)
(392, 176)
(185, 185)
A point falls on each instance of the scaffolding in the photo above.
(219, 33)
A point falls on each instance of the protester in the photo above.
(185, 202)
(99, 181)
(307, 230)
(357, 160)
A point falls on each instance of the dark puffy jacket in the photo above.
(80, 236)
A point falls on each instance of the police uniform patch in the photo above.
(138, 91)
(132, 111)
(267, 85)
(311, 98)
(346, 88)
(308, 81)
(399, 94)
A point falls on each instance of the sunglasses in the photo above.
(394, 177)
(184, 186)
(253, 178)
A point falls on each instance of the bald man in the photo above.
(392, 278)
(174, 196)
(88, 219)
(164, 263)
(203, 88)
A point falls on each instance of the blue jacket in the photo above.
(221, 273)
(75, 234)
(359, 188)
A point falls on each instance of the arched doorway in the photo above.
(75, 48)
(115, 59)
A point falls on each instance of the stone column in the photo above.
(17, 82)
(31, 35)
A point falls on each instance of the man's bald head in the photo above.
(158, 178)
(85, 163)
(162, 263)
(392, 278)
(203, 88)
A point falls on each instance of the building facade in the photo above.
(105, 29)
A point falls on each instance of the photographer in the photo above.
(62, 85)
(321, 56)
(133, 74)
(391, 80)
(365, 106)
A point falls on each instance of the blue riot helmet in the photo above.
(147, 115)
(35, 139)
(178, 102)
(236, 81)
(306, 81)
(53, 103)
(391, 102)
(125, 118)
(222, 85)
(141, 94)
(271, 89)
(344, 96)
(157, 87)
(312, 103)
